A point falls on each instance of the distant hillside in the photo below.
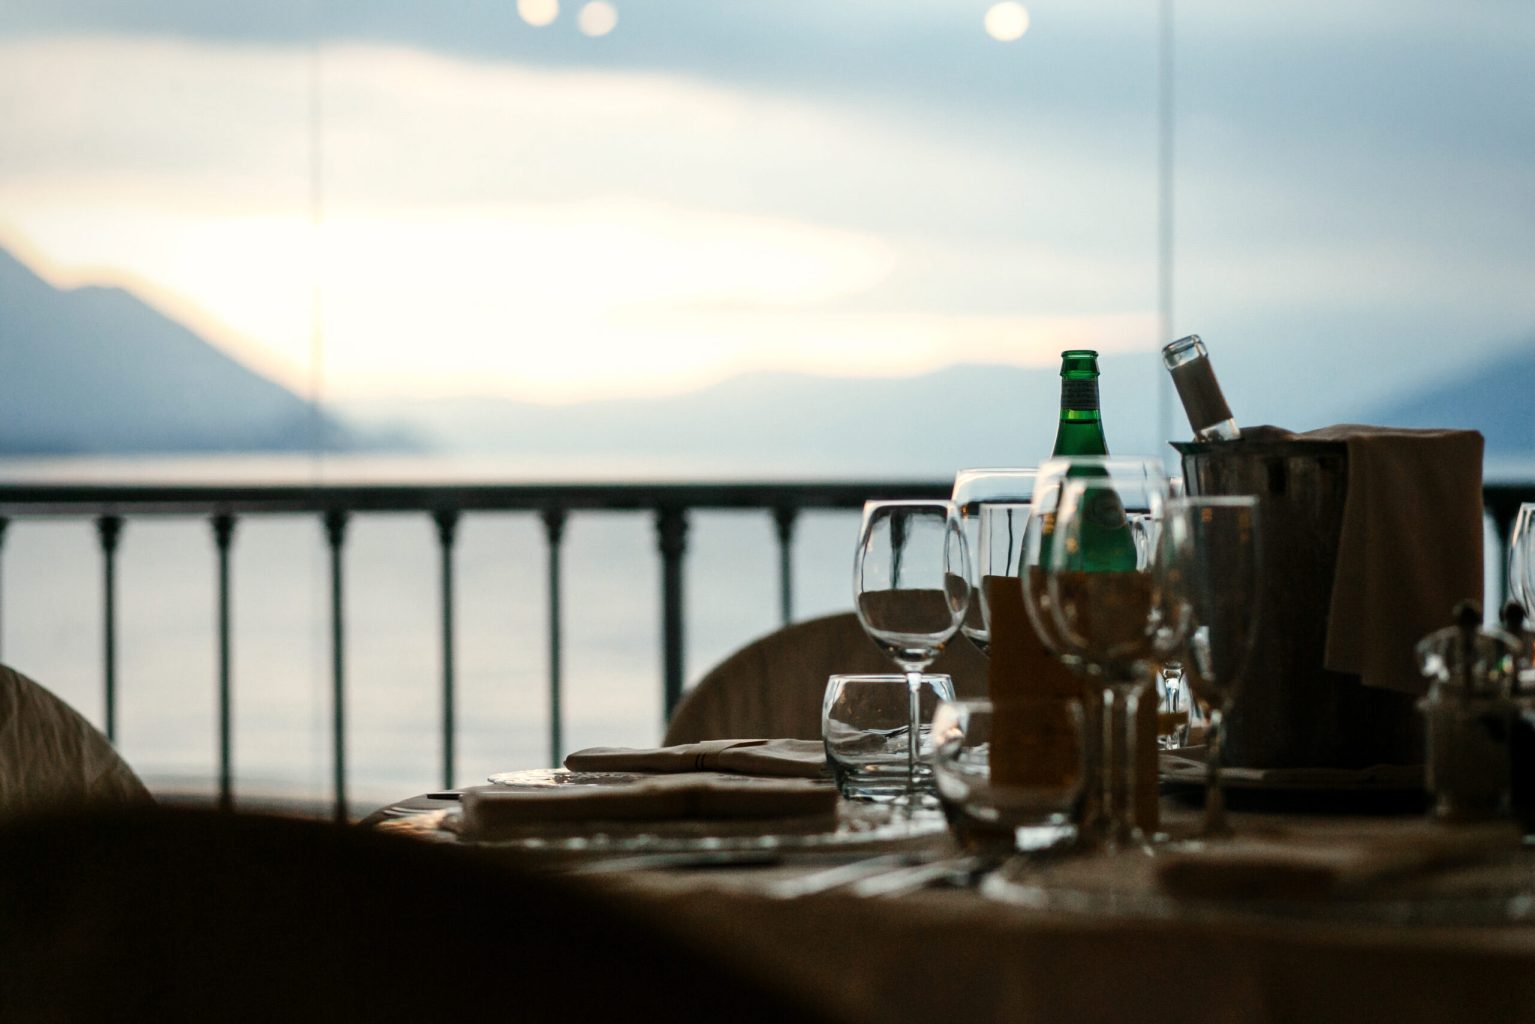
(1495, 396)
(97, 370)
(964, 415)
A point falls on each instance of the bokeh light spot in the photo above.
(1007, 21)
(597, 18)
(538, 12)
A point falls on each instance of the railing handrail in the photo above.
(244, 499)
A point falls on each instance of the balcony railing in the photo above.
(334, 506)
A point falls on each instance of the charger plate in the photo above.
(1186, 766)
(856, 825)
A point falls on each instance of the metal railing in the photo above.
(334, 506)
(112, 505)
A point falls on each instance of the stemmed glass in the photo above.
(1521, 577)
(974, 491)
(1213, 554)
(1521, 559)
(911, 589)
(1110, 609)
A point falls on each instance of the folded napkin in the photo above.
(1187, 765)
(1321, 862)
(1410, 547)
(801, 759)
(489, 811)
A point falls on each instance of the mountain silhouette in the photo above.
(1493, 396)
(97, 370)
(777, 423)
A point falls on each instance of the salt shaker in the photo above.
(1469, 713)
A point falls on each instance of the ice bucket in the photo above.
(1291, 712)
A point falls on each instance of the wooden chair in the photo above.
(772, 687)
(51, 758)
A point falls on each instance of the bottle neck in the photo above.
(1081, 427)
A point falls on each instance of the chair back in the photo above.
(772, 687)
(51, 758)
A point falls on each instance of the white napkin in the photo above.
(801, 759)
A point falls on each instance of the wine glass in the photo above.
(1521, 580)
(911, 589)
(1109, 608)
(1214, 556)
(1003, 526)
(974, 490)
(1521, 559)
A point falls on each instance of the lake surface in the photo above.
(51, 621)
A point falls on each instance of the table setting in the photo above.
(1292, 624)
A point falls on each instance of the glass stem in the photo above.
(913, 734)
(1215, 799)
(1120, 702)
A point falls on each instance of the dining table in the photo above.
(901, 924)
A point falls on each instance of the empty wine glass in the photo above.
(1000, 556)
(1521, 559)
(1521, 582)
(974, 489)
(1214, 556)
(1109, 609)
(911, 590)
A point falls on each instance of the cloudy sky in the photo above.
(849, 186)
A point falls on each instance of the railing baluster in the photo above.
(3, 524)
(784, 517)
(109, 530)
(223, 537)
(447, 532)
(672, 530)
(554, 531)
(335, 536)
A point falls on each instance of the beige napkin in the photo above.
(802, 759)
(1411, 546)
(1320, 861)
(488, 811)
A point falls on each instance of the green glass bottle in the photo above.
(1108, 542)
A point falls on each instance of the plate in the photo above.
(856, 825)
(1186, 765)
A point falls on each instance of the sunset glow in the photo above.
(594, 294)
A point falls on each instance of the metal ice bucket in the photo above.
(1291, 712)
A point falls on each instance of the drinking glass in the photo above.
(1521, 560)
(1110, 609)
(999, 556)
(1521, 583)
(1214, 557)
(997, 806)
(911, 589)
(865, 722)
(974, 490)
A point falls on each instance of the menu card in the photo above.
(1033, 741)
